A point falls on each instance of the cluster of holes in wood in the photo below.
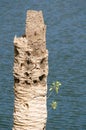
(41, 78)
(42, 62)
(17, 52)
(18, 81)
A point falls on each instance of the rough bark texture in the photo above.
(30, 75)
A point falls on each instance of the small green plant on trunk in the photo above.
(54, 88)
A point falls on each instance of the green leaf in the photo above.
(54, 105)
(57, 89)
(58, 83)
(50, 89)
(53, 84)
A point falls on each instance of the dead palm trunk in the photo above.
(30, 75)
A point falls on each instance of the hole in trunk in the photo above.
(26, 73)
(24, 35)
(35, 33)
(43, 61)
(22, 64)
(28, 62)
(42, 77)
(35, 81)
(16, 51)
(27, 82)
(28, 53)
(16, 80)
(26, 105)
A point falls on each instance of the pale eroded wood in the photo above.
(30, 75)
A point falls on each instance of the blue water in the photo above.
(66, 42)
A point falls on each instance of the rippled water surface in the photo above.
(66, 42)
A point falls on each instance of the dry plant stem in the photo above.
(30, 75)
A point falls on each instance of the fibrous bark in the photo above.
(30, 75)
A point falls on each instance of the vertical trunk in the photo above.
(30, 75)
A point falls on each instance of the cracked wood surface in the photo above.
(30, 75)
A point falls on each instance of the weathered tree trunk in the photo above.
(30, 75)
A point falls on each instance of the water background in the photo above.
(66, 42)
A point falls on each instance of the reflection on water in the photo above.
(66, 37)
